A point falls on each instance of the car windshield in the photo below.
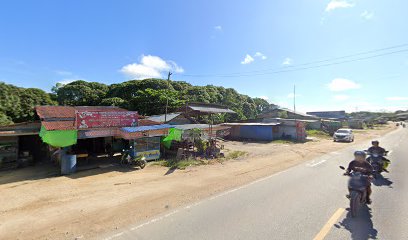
(343, 131)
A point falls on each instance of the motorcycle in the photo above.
(128, 160)
(377, 161)
(357, 186)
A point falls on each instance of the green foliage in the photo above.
(17, 104)
(148, 97)
(317, 134)
(4, 119)
(283, 114)
(180, 164)
(114, 101)
(236, 154)
(150, 101)
(81, 93)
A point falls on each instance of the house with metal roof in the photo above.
(290, 114)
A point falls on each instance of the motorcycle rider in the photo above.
(360, 164)
(375, 148)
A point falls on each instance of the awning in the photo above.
(146, 128)
(59, 138)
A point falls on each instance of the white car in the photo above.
(343, 135)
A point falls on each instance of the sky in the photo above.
(341, 54)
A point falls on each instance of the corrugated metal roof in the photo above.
(160, 118)
(147, 122)
(146, 128)
(204, 108)
(59, 125)
(210, 109)
(199, 126)
(252, 124)
(46, 112)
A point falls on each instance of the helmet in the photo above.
(360, 153)
(375, 142)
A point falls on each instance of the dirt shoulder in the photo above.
(34, 204)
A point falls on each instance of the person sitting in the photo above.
(360, 164)
(376, 149)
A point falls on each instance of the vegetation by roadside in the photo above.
(317, 134)
(190, 162)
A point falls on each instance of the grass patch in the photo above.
(236, 154)
(179, 164)
(317, 133)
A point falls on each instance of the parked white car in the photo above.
(343, 135)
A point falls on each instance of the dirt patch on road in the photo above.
(34, 204)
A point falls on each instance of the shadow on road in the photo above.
(382, 181)
(360, 227)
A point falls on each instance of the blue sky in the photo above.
(203, 42)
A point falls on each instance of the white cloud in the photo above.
(287, 61)
(342, 84)
(69, 80)
(341, 97)
(218, 28)
(260, 55)
(264, 98)
(248, 59)
(150, 67)
(397, 98)
(335, 4)
(367, 15)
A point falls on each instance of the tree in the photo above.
(283, 114)
(151, 101)
(82, 93)
(4, 119)
(114, 101)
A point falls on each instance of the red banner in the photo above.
(90, 119)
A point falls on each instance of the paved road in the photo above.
(304, 202)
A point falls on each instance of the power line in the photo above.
(299, 68)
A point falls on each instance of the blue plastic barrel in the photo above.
(68, 164)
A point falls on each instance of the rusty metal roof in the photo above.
(66, 112)
(59, 125)
(147, 122)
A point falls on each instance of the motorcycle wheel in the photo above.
(123, 160)
(354, 203)
(142, 164)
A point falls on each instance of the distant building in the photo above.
(339, 115)
(286, 113)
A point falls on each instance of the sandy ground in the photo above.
(36, 204)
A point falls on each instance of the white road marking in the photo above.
(314, 164)
(198, 203)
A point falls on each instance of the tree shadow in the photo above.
(382, 181)
(360, 227)
(170, 171)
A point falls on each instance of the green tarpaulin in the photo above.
(59, 138)
(174, 135)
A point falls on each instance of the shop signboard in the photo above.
(100, 119)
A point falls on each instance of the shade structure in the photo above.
(59, 138)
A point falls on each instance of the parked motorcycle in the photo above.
(128, 160)
(357, 186)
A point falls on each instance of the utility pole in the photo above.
(167, 95)
(294, 98)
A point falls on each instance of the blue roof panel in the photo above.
(146, 128)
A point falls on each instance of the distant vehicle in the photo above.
(343, 135)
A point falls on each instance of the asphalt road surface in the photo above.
(304, 202)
